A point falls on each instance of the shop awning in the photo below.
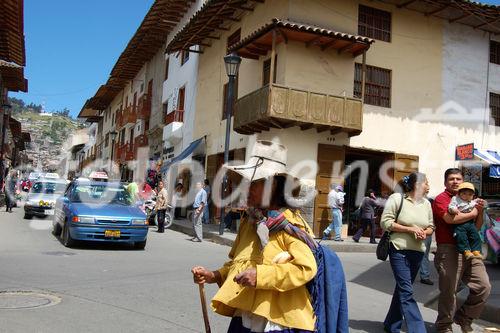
(188, 151)
(489, 156)
(492, 158)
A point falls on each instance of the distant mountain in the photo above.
(48, 132)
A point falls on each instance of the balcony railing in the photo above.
(117, 153)
(127, 152)
(144, 107)
(174, 116)
(128, 116)
(277, 106)
(141, 140)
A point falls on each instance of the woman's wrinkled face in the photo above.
(256, 193)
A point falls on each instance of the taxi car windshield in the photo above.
(101, 194)
(48, 188)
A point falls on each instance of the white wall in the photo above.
(468, 78)
(178, 77)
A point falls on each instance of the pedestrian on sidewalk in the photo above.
(200, 201)
(10, 191)
(452, 266)
(263, 285)
(335, 202)
(206, 209)
(407, 234)
(367, 215)
(161, 206)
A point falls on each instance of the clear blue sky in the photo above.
(71, 46)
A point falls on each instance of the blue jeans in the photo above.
(405, 265)
(336, 224)
(424, 267)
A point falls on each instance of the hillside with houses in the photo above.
(49, 131)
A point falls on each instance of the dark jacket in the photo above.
(368, 206)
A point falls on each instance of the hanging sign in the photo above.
(464, 152)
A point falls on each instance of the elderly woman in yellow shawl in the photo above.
(263, 285)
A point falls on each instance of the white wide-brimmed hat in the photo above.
(267, 159)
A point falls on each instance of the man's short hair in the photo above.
(452, 171)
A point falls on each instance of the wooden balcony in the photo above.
(277, 106)
(128, 116)
(117, 152)
(174, 116)
(140, 141)
(119, 119)
(144, 107)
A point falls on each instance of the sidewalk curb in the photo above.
(214, 237)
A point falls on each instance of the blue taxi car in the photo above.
(98, 211)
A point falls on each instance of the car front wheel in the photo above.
(56, 229)
(140, 245)
(66, 236)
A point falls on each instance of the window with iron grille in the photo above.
(233, 39)
(494, 52)
(377, 85)
(374, 23)
(495, 108)
(235, 98)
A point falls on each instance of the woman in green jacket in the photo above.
(408, 230)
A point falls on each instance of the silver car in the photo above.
(42, 197)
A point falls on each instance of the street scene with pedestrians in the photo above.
(250, 166)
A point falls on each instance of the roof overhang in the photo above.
(89, 113)
(479, 16)
(13, 76)
(77, 148)
(259, 42)
(12, 31)
(212, 17)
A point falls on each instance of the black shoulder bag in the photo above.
(384, 243)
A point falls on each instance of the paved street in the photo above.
(117, 289)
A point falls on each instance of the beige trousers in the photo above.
(452, 268)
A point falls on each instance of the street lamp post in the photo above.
(232, 63)
(112, 134)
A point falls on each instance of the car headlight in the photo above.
(83, 219)
(43, 203)
(139, 222)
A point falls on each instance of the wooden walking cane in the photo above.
(204, 307)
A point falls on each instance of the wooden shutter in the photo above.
(410, 163)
